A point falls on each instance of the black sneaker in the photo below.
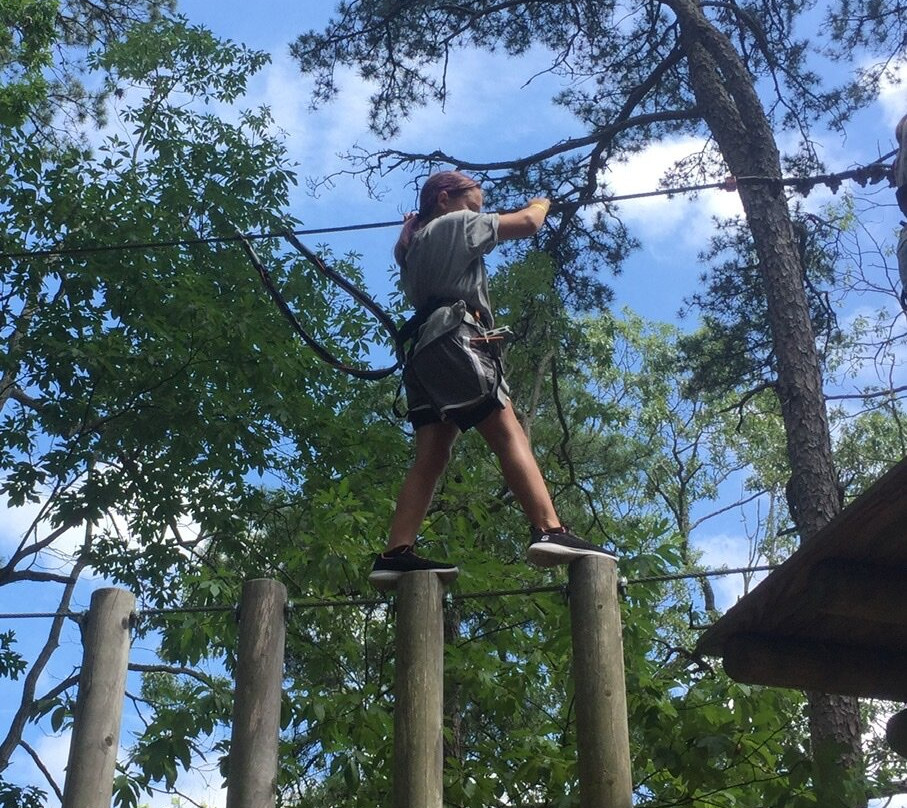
(388, 568)
(559, 546)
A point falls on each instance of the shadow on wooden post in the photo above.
(99, 704)
(603, 740)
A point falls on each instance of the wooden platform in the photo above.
(833, 617)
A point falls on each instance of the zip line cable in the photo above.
(871, 173)
(305, 603)
(400, 336)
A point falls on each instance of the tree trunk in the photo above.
(732, 109)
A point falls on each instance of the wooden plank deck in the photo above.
(833, 617)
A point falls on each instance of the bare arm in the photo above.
(525, 222)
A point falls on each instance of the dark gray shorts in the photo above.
(457, 377)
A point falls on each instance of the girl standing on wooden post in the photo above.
(453, 377)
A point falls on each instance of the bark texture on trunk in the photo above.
(732, 109)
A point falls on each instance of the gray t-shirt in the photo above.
(445, 261)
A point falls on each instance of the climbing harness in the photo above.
(407, 346)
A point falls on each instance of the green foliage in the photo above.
(733, 347)
(174, 56)
(161, 386)
(186, 712)
(510, 717)
(14, 797)
(26, 34)
(12, 664)
(868, 444)
(126, 791)
(77, 98)
(132, 343)
(154, 392)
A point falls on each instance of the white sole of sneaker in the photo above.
(550, 555)
(387, 579)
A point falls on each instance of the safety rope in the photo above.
(872, 173)
(354, 291)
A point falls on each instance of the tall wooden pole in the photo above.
(603, 741)
(99, 704)
(252, 770)
(418, 692)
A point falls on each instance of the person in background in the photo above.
(900, 182)
(453, 377)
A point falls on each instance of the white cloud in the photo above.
(19, 522)
(481, 120)
(26, 523)
(682, 220)
(16, 522)
(729, 551)
(891, 99)
(29, 522)
(313, 136)
(202, 786)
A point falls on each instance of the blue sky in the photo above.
(654, 283)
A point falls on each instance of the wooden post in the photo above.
(419, 692)
(603, 741)
(99, 704)
(252, 770)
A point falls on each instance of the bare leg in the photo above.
(433, 445)
(508, 441)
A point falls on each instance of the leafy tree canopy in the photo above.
(160, 387)
(26, 33)
(147, 395)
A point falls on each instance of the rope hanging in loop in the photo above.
(357, 294)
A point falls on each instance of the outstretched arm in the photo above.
(525, 222)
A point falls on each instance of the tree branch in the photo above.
(174, 670)
(21, 552)
(43, 769)
(563, 147)
(876, 394)
(18, 395)
(27, 701)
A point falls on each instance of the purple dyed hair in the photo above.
(451, 181)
